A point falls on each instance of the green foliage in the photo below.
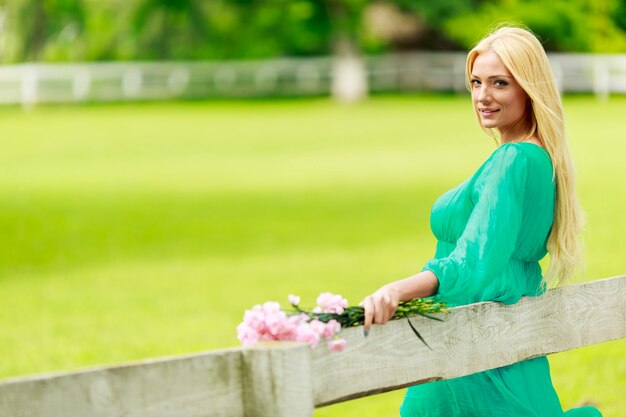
(45, 29)
(437, 13)
(563, 25)
(67, 30)
(167, 29)
(273, 28)
(619, 14)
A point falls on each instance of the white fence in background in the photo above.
(28, 84)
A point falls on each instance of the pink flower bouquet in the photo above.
(268, 321)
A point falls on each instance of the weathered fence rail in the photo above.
(289, 379)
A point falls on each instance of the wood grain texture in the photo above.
(269, 380)
(277, 380)
(203, 385)
(473, 338)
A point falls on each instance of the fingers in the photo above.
(392, 306)
(368, 307)
(378, 309)
(380, 312)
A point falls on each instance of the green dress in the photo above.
(491, 232)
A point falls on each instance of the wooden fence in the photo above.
(284, 379)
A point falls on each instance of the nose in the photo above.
(483, 94)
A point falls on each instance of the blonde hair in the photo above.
(521, 52)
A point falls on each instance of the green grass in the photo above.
(133, 231)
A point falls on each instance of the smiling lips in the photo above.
(488, 112)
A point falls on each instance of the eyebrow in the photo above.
(493, 76)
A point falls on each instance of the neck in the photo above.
(514, 134)
(521, 129)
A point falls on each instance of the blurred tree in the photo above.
(256, 29)
(108, 33)
(349, 73)
(161, 24)
(66, 30)
(564, 25)
(410, 25)
(619, 14)
(32, 16)
(41, 23)
(296, 28)
(345, 20)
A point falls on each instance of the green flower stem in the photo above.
(355, 315)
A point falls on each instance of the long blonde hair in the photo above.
(521, 52)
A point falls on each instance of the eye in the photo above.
(474, 82)
(500, 83)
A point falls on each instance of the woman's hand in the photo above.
(380, 306)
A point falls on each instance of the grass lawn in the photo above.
(141, 230)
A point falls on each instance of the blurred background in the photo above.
(167, 164)
(113, 50)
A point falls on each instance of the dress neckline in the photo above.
(529, 143)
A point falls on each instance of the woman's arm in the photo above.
(380, 306)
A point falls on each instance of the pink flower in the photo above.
(331, 329)
(307, 335)
(266, 322)
(266, 338)
(331, 303)
(271, 306)
(298, 318)
(337, 345)
(318, 327)
(276, 322)
(294, 300)
(288, 333)
(247, 335)
(255, 319)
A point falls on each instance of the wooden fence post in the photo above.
(277, 380)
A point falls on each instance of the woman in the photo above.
(495, 227)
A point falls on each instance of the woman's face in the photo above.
(499, 100)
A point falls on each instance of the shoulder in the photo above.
(510, 156)
(509, 164)
(521, 163)
(522, 153)
(515, 161)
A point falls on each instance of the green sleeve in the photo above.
(490, 236)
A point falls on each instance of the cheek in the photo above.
(520, 107)
(518, 101)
